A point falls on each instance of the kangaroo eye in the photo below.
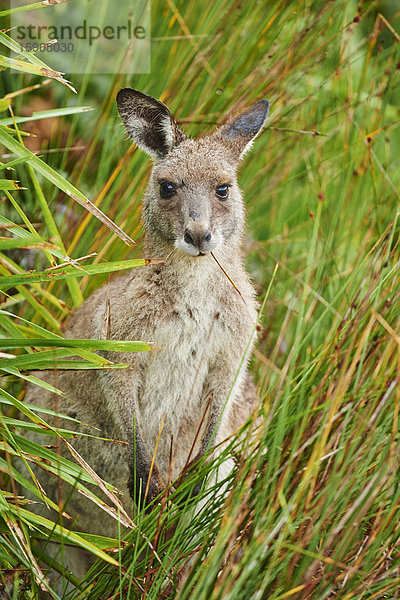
(167, 189)
(222, 191)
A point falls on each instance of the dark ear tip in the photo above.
(126, 95)
(129, 95)
(264, 105)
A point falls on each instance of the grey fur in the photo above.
(187, 306)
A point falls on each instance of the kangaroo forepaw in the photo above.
(144, 494)
(187, 471)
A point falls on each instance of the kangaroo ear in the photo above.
(148, 122)
(240, 131)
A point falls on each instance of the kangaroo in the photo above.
(197, 382)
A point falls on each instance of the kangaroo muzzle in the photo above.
(198, 238)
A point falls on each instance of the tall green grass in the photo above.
(313, 511)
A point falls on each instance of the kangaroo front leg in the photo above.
(224, 386)
(145, 482)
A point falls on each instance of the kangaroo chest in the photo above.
(174, 378)
(194, 328)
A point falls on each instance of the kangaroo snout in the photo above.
(198, 239)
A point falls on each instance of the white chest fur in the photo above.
(174, 379)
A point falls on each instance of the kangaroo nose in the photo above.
(196, 238)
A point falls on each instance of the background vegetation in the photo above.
(315, 507)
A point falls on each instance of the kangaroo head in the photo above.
(193, 202)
